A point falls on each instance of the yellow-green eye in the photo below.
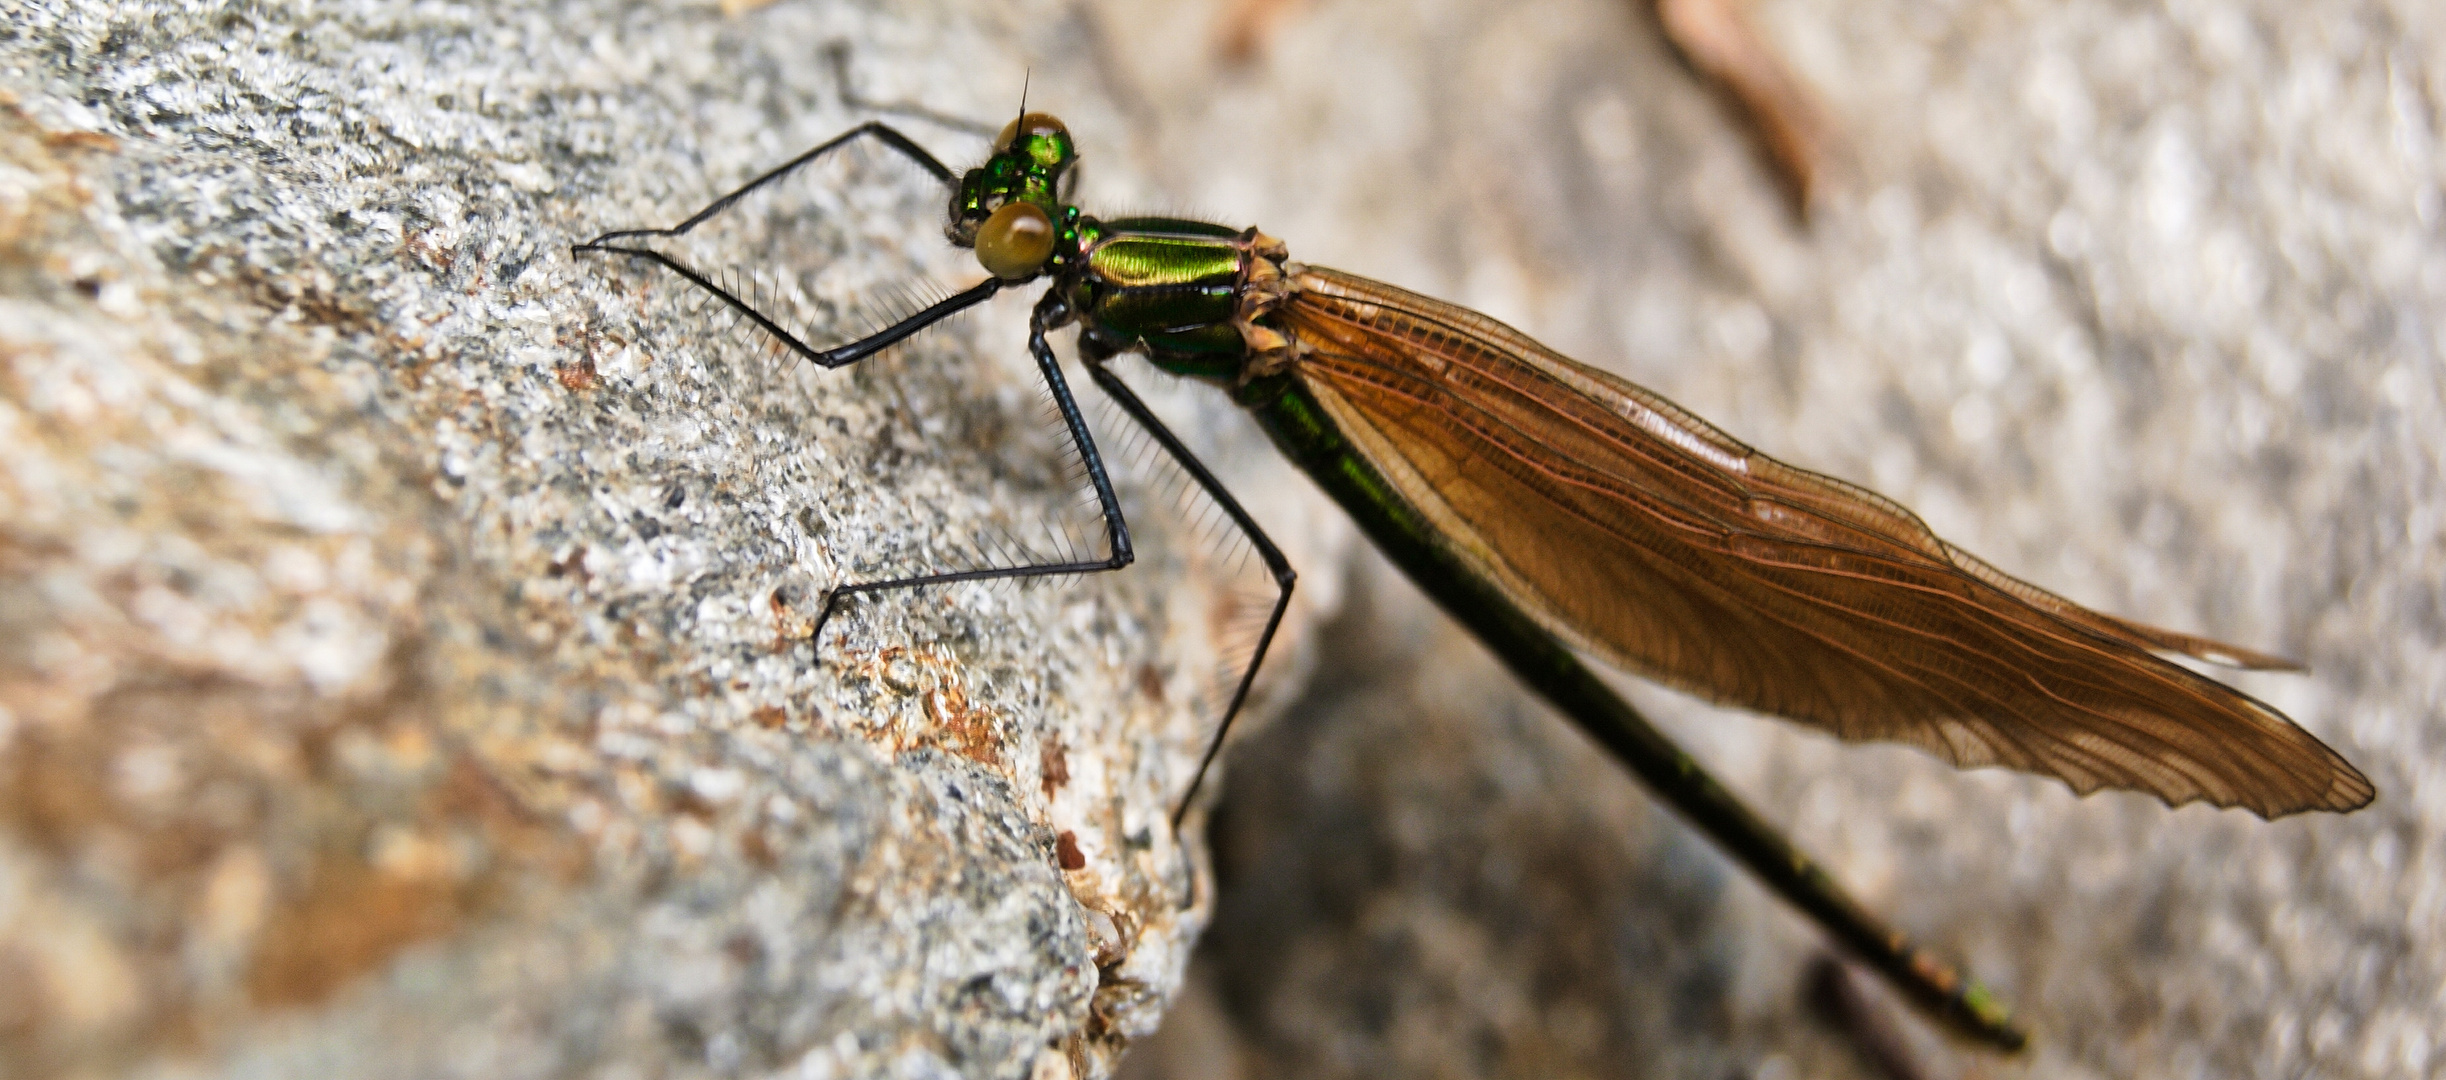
(1015, 242)
(1034, 123)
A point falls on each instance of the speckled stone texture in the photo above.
(2142, 301)
(403, 623)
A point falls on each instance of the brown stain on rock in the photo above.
(98, 142)
(952, 721)
(579, 375)
(572, 566)
(1053, 763)
(351, 919)
(757, 850)
(420, 245)
(968, 730)
(53, 795)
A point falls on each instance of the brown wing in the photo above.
(1648, 537)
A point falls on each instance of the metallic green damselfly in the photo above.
(1555, 509)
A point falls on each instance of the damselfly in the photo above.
(1557, 510)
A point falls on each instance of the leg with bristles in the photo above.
(837, 356)
(1052, 311)
(882, 132)
(620, 242)
(1275, 563)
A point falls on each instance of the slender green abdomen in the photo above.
(1308, 435)
(1168, 285)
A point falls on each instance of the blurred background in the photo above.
(2141, 301)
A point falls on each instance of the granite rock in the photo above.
(406, 665)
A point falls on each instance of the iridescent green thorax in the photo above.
(1175, 288)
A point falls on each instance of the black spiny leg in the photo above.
(1274, 562)
(1050, 312)
(611, 243)
(889, 135)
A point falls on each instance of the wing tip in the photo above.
(2350, 791)
(2332, 786)
(2347, 790)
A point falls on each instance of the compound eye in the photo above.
(1015, 242)
(1034, 123)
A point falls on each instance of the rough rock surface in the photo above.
(403, 623)
(2146, 302)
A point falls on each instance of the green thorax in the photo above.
(1169, 286)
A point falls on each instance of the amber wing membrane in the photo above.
(1650, 538)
